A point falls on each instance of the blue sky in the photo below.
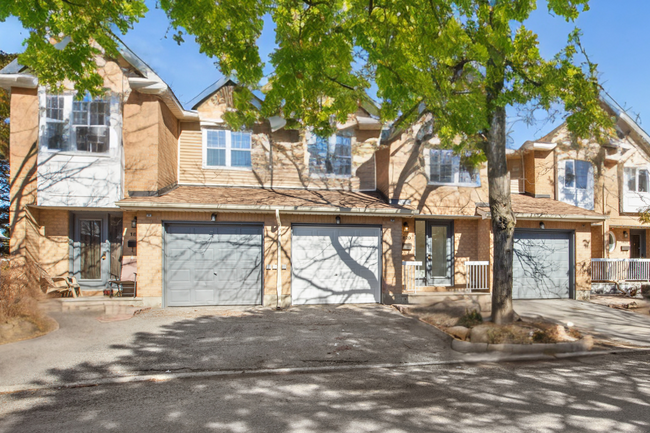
(616, 36)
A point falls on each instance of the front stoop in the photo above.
(431, 298)
(92, 303)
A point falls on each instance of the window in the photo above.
(90, 122)
(54, 126)
(227, 148)
(447, 168)
(73, 125)
(636, 179)
(576, 174)
(611, 242)
(330, 155)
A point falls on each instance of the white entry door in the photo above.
(336, 265)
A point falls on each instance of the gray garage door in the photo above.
(335, 265)
(213, 265)
(542, 264)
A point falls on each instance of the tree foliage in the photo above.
(444, 54)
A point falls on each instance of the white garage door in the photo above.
(335, 265)
(542, 264)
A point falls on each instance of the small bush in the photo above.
(470, 318)
(17, 298)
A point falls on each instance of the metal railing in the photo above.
(412, 276)
(477, 276)
(620, 269)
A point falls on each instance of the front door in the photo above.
(637, 244)
(92, 251)
(440, 253)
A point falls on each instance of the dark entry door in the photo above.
(637, 244)
(91, 261)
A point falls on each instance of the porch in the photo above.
(610, 276)
(620, 270)
(476, 276)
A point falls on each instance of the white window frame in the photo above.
(69, 138)
(228, 149)
(574, 162)
(311, 139)
(637, 174)
(611, 246)
(456, 169)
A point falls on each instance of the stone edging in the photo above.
(582, 345)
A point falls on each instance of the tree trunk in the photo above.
(503, 219)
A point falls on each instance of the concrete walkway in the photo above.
(600, 321)
(177, 340)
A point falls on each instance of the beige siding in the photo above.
(288, 150)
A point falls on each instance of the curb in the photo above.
(583, 345)
(226, 374)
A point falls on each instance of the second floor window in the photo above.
(636, 179)
(576, 174)
(446, 168)
(227, 148)
(73, 125)
(576, 183)
(330, 155)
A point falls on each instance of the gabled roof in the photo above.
(17, 75)
(211, 90)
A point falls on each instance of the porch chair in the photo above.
(127, 284)
(66, 286)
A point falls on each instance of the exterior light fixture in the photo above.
(338, 219)
(134, 223)
(406, 226)
(213, 217)
(625, 235)
(541, 225)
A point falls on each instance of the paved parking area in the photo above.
(196, 339)
(598, 320)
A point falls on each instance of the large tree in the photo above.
(462, 62)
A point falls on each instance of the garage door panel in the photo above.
(335, 265)
(213, 265)
(542, 265)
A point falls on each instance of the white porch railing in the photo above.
(620, 269)
(412, 276)
(477, 276)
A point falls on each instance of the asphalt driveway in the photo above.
(598, 320)
(199, 339)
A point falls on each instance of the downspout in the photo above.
(279, 280)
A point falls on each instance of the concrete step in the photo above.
(93, 303)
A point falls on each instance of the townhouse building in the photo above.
(277, 217)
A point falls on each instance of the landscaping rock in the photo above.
(459, 332)
(479, 334)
